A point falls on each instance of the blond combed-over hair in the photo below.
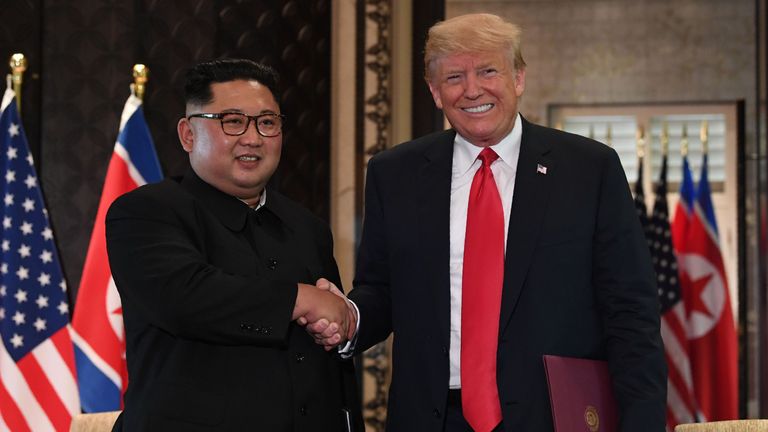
(472, 33)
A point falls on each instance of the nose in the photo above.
(251, 136)
(472, 88)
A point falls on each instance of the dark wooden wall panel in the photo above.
(81, 55)
(294, 37)
(20, 33)
(426, 117)
(86, 71)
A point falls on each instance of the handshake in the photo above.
(325, 312)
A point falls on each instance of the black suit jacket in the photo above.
(577, 280)
(208, 287)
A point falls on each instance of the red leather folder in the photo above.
(581, 395)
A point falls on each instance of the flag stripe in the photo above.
(63, 342)
(96, 360)
(20, 393)
(44, 392)
(134, 136)
(676, 407)
(58, 374)
(12, 419)
(677, 380)
(673, 333)
(133, 173)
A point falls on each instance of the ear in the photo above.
(435, 90)
(186, 134)
(520, 82)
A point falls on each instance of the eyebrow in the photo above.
(239, 111)
(476, 68)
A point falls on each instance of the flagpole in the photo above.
(640, 140)
(140, 76)
(664, 139)
(18, 64)
(684, 141)
(704, 135)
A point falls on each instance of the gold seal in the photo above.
(592, 418)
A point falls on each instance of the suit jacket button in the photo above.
(246, 327)
(444, 350)
(272, 264)
(299, 357)
(436, 413)
(303, 410)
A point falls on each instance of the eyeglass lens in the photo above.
(268, 125)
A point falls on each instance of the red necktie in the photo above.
(481, 299)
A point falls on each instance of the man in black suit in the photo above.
(214, 268)
(567, 272)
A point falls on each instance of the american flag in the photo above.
(680, 401)
(38, 386)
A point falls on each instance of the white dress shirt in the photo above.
(465, 164)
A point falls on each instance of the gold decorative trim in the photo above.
(378, 60)
(377, 137)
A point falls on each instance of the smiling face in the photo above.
(478, 92)
(236, 165)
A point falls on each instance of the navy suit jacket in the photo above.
(578, 280)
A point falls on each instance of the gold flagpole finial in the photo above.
(18, 64)
(704, 135)
(140, 76)
(664, 139)
(640, 139)
(684, 141)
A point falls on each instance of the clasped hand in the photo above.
(325, 312)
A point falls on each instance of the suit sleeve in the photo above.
(161, 272)
(371, 291)
(626, 293)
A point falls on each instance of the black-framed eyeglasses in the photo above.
(234, 124)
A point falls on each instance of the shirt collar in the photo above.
(231, 211)
(508, 149)
(262, 200)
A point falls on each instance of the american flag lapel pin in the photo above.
(541, 169)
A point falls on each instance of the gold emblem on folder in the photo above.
(592, 418)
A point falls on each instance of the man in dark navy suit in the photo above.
(489, 245)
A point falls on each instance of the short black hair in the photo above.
(197, 89)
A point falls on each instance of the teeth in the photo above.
(479, 109)
(248, 158)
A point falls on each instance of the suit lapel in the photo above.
(434, 200)
(533, 181)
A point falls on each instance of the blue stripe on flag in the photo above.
(687, 193)
(137, 141)
(704, 197)
(97, 392)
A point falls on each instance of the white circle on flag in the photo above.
(712, 296)
(115, 310)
